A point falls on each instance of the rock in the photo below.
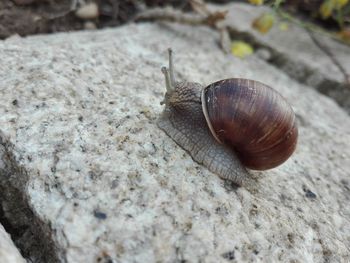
(294, 51)
(88, 11)
(100, 182)
(8, 251)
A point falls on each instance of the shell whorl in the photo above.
(253, 119)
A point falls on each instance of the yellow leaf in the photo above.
(264, 23)
(283, 26)
(256, 2)
(326, 9)
(338, 4)
(241, 49)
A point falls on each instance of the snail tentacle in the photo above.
(171, 67)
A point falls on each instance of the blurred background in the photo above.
(28, 17)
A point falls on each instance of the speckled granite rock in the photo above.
(8, 251)
(294, 51)
(102, 183)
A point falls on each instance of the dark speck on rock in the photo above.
(80, 118)
(92, 175)
(14, 102)
(229, 255)
(310, 194)
(105, 259)
(100, 215)
(83, 148)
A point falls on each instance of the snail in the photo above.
(229, 126)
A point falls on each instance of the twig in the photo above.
(73, 7)
(308, 26)
(202, 17)
(172, 15)
(329, 53)
(199, 7)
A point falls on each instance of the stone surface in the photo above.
(294, 51)
(82, 154)
(8, 251)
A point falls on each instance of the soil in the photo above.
(27, 17)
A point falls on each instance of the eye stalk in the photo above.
(169, 76)
(171, 67)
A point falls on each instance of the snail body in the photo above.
(230, 125)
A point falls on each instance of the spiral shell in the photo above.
(252, 119)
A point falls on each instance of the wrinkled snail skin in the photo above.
(253, 119)
(230, 125)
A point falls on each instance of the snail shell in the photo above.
(252, 119)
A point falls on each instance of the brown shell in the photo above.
(253, 119)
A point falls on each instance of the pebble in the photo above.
(88, 11)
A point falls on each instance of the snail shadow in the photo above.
(252, 183)
(231, 186)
